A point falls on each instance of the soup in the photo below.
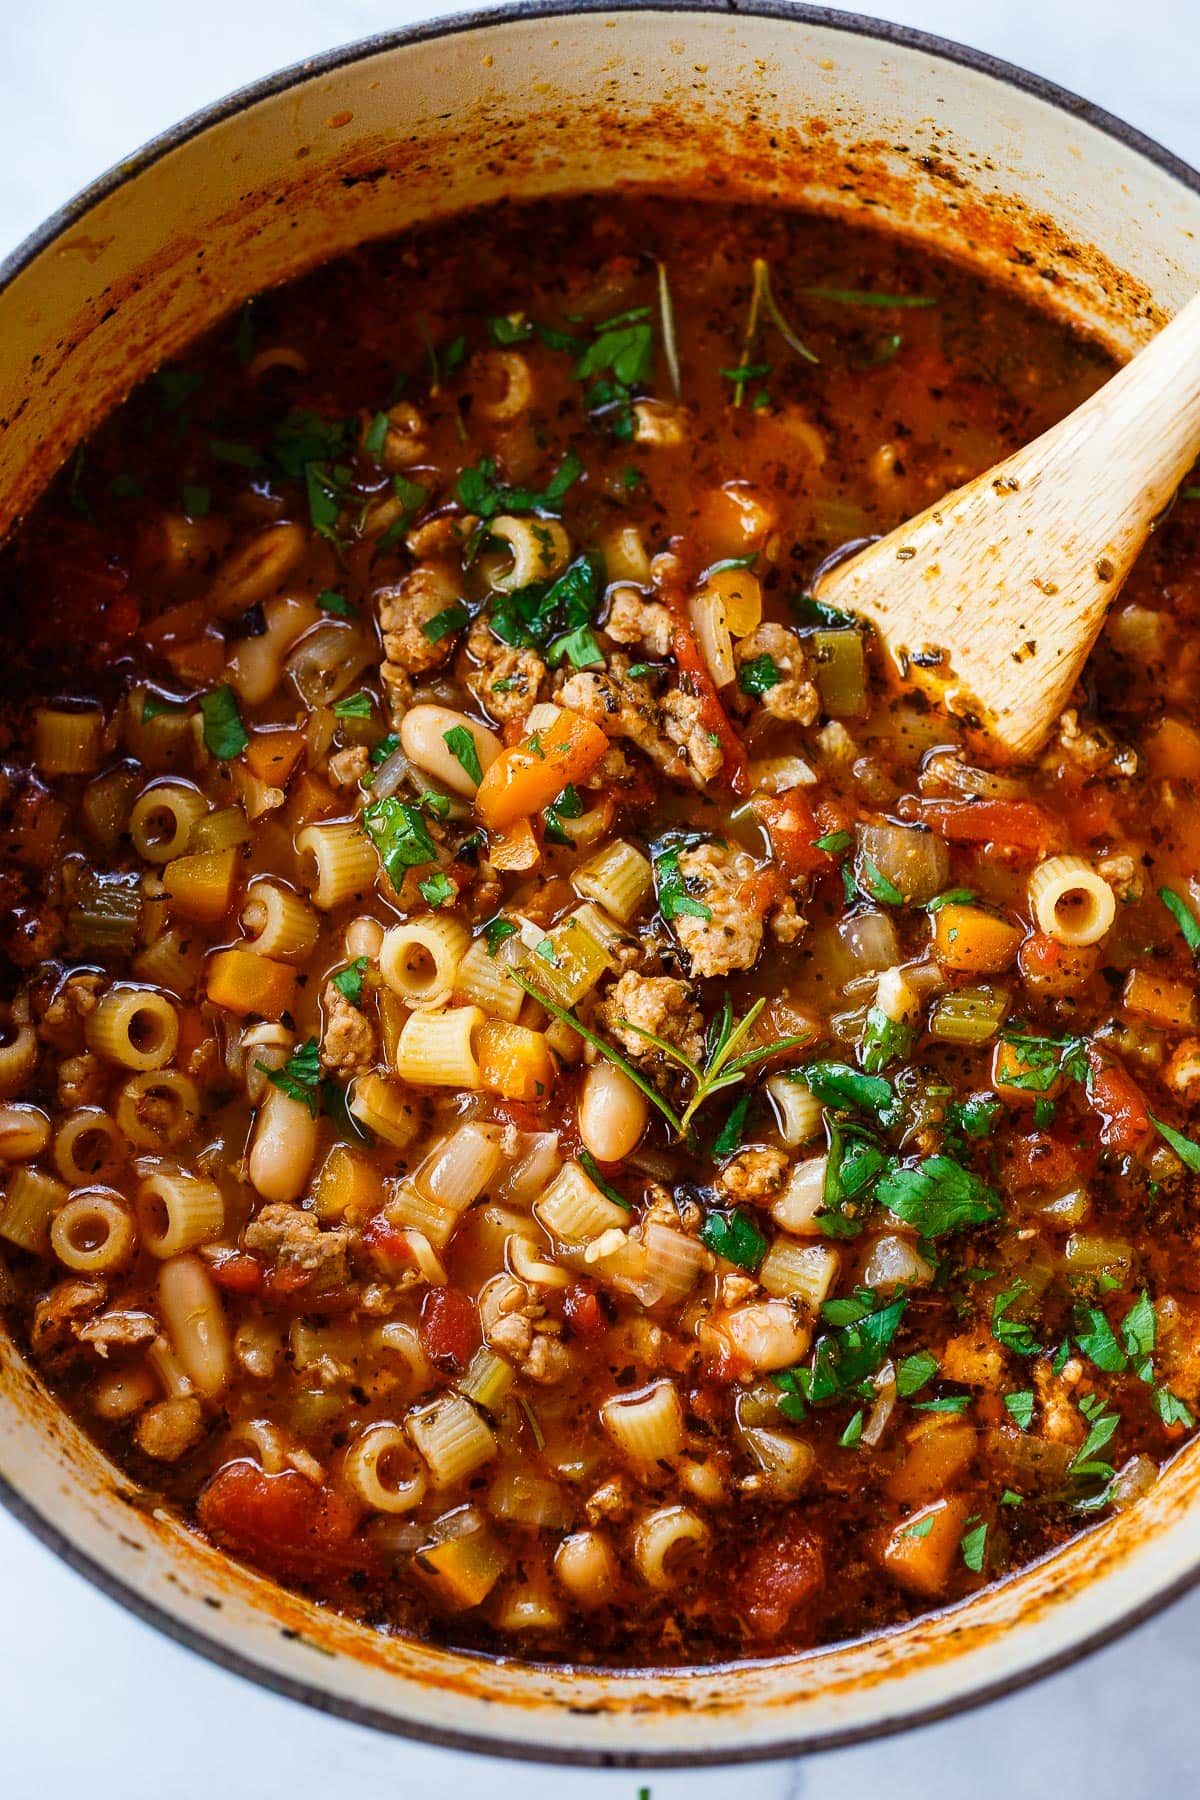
(547, 1102)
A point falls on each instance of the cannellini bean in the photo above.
(612, 1113)
(767, 1334)
(585, 1565)
(283, 1146)
(192, 1314)
(423, 734)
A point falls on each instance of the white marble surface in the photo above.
(89, 1694)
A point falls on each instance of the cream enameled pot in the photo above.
(768, 101)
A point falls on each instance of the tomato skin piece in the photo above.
(1048, 967)
(691, 664)
(779, 1575)
(1021, 826)
(387, 1245)
(448, 1328)
(583, 1312)
(237, 1273)
(1037, 1161)
(1113, 1093)
(280, 1522)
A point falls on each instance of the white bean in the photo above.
(423, 734)
(612, 1113)
(195, 1322)
(283, 1146)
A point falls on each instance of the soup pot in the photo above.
(771, 102)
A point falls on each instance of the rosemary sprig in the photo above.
(721, 1067)
(666, 316)
(762, 299)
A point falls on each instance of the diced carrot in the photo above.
(199, 660)
(1051, 968)
(940, 1448)
(1160, 999)
(525, 780)
(515, 1061)
(778, 1576)
(515, 850)
(271, 755)
(311, 798)
(201, 887)
(919, 1552)
(244, 983)
(972, 941)
(1021, 826)
(1114, 1094)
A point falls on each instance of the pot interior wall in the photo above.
(792, 108)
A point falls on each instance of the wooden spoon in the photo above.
(992, 599)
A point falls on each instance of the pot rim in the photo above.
(63, 219)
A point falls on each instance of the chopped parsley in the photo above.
(834, 842)
(734, 1236)
(913, 1373)
(973, 1545)
(1019, 1407)
(556, 613)
(300, 1076)
(437, 889)
(878, 886)
(354, 706)
(495, 932)
(1043, 1060)
(224, 733)
(730, 1134)
(567, 806)
(400, 836)
(1014, 1334)
(451, 618)
(1183, 916)
(461, 744)
(759, 675)
(383, 749)
(330, 601)
(591, 1169)
(846, 1357)
(349, 981)
(885, 1040)
(481, 493)
(951, 897)
(1187, 1152)
(938, 1196)
(673, 896)
(618, 362)
(852, 1435)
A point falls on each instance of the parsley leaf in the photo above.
(1098, 1341)
(1139, 1327)
(224, 733)
(495, 932)
(734, 1236)
(914, 1372)
(951, 897)
(1043, 1060)
(331, 601)
(1187, 1152)
(1014, 1334)
(759, 675)
(938, 1196)
(976, 1116)
(854, 1162)
(562, 610)
(973, 1545)
(437, 889)
(463, 748)
(834, 842)
(591, 1169)
(567, 806)
(852, 1435)
(400, 836)
(839, 1085)
(1183, 916)
(885, 1040)
(349, 981)
(300, 1076)
(481, 493)
(1019, 1406)
(844, 1358)
(451, 618)
(383, 749)
(354, 706)
(1171, 1409)
(730, 1134)
(877, 886)
(673, 897)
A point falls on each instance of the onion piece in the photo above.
(327, 661)
(870, 940)
(914, 861)
(885, 1403)
(945, 770)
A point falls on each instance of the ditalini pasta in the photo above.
(544, 1102)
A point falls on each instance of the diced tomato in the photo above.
(761, 891)
(122, 617)
(583, 1312)
(1021, 826)
(237, 1273)
(713, 717)
(1037, 1161)
(795, 824)
(448, 1328)
(1115, 1095)
(281, 1522)
(387, 1245)
(778, 1576)
(1048, 967)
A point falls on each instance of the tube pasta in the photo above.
(157, 1109)
(647, 1426)
(31, 1198)
(93, 1234)
(383, 1470)
(540, 549)
(174, 960)
(452, 1438)
(437, 1049)
(277, 922)
(256, 569)
(808, 1270)
(505, 386)
(618, 878)
(573, 1210)
(190, 1306)
(662, 1541)
(530, 1266)
(798, 1113)
(162, 817)
(18, 1057)
(338, 863)
(176, 1212)
(135, 1027)
(68, 740)
(1071, 902)
(420, 959)
(88, 1146)
(461, 1167)
(24, 1133)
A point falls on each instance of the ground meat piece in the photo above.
(506, 682)
(633, 620)
(787, 922)
(1182, 1073)
(81, 1080)
(64, 1308)
(118, 1330)
(1061, 1420)
(794, 696)
(347, 767)
(61, 1024)
(296, 1244)
(433, 537)
(975, 1359)
(170, 1429)
(757, 1174)
(611, 1500)
(548, 1360)
(658, 1003)
(668, 732)
(33, 937)
(348, 1038)
(405, 610)
(683, 720)
(512, 1335)
(732, 936)
(1124, 875)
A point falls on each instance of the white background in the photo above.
(93, 1702)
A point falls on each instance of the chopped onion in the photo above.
(1131, 1481)
(892, 1261)
(915, 861)
(870, 939)
(885, 1402)
(945, 770)
(391, 774)
(327, 661)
